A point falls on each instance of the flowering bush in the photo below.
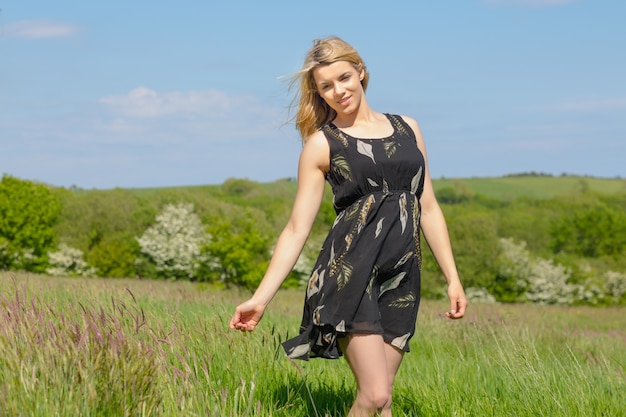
(68, 261)
(479, 295)
(172, 246)
(536, 280)
(514, 268)
(615, 286)
(548, 284)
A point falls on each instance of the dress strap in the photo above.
(400, 125)
(332, 132)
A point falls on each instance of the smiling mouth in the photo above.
(344, 101)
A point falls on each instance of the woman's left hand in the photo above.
(458, 301)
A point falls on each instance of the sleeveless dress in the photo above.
(367, 276)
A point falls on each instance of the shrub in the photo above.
(115, 256)
(514, 268)
(547, 284)
(479, 295)
(67, 262)
(615, 286)
(537, 280)
(173, 244)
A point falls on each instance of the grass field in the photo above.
(104, 347)
(542, 187)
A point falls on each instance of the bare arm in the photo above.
(314, 162)
(435, 230)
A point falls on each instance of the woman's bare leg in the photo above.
(394, 359)
(374, 364)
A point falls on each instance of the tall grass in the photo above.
(96, 347)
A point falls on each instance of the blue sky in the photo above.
(151, 93)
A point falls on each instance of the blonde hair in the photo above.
(312, 111)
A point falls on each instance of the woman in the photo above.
(363, 295)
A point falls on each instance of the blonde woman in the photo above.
(363, 294)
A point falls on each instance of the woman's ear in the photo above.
(361, 72)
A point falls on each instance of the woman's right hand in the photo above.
(247, 316)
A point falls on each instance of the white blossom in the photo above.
(615, 285)
(544, 281)
(68, 261)
(479, 295)
(174, 243)
(548, 284)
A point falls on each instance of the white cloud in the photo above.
(143, 102)
(145, 114)
(529, 3)
(40, 29)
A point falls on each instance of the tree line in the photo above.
(569, 249)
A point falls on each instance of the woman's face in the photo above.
(339, 84)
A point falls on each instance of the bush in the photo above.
(479, 295)
(548, 284)
(115, 256)
(68, 262)
(523, 278)
(615, 286)
(173, 244)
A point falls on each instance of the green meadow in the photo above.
(130, 347)
(532, 186)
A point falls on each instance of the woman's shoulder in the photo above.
(407, 119)
(316, 150)
(317, 138)
(316, 143)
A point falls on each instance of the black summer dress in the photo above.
(367, 277)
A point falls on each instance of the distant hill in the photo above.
(532, 186)
(502, 188)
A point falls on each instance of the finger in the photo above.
(453, 305)
(462, 307)
(234, 321)
(458, 314)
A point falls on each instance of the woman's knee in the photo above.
(375, 400)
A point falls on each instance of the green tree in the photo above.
(28, 214)
(241, 251)
(590, 231)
